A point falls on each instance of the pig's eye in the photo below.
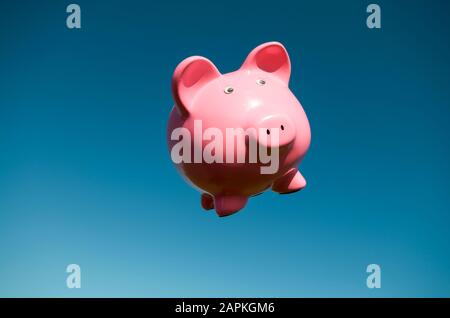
(228, 90)
(261, 82)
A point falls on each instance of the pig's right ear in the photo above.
(189, 77)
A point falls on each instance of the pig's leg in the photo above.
(228, 204)
(292, 181)
(207, 201)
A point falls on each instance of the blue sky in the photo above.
(86, 177)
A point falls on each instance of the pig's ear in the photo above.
(272, 58)
(189, 77)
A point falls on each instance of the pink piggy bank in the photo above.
(235, 135)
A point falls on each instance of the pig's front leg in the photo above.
(228, 204)
(292, 181)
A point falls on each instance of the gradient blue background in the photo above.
(86, 178)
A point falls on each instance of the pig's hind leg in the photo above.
(207, 201)
(291, 182)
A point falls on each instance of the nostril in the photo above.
(268, 131)
(282, 127)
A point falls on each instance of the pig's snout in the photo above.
(276, 131)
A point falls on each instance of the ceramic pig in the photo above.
(210, 108)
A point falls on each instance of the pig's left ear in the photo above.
(272, 58)
(189, 77)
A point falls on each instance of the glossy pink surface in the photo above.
(260, 98)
